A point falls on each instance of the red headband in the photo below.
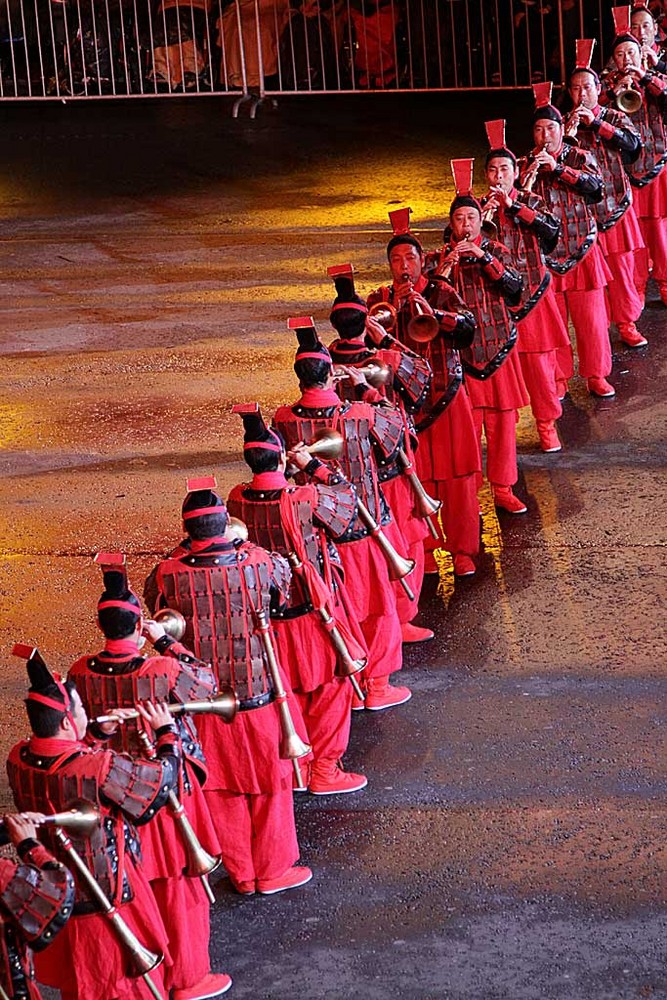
(350, 305)
(124, 605)
(262, 444)
(203, 510)
(313, 354)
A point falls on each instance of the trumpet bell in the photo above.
(238, 529)
(82, 817)
(629, 100)
(327, 444)
(385, 314)
(172, 622)
(423, 328)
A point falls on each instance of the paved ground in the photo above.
(511, 841)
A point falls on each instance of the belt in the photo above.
(259, 701)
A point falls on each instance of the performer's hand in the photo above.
(152, 630)
(22, 826)
(299, 456)
(650, 57)
(545, 159)
(375, 330)
(585, 115)
(423, 304)
(109, 728)
(156, 715)
(402, 289)
(355, 375)
(498, 198)
(470, 249)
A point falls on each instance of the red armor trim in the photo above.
(616, 197)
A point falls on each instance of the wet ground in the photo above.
(511, 842)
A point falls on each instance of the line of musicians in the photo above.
(297, 595)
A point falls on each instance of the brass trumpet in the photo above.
(142, 960)
(329, 445)
(423, 327)
(528, 182)
(81, 818)
(172, 622)
(488, 225)
(225, 704)
(385, 314)
(628, 98)
(375, 374)
(571, 123)
(292, 746)
(425, 505)
(200, 863)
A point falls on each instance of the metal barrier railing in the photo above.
(108, 48)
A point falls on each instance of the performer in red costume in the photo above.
(448, 458)
(218, 585)
(120, 677)
(305, 520)
(406, 387)
(568, 179)
(370, 435)
(614, 141)
(53, 768)
(480, 271)
(36, 899)
(647, 173)
(529, 231)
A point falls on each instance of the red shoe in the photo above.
(631, 336)
(291, 879)
(413, 633)
(329, 778)
(210, 986)
(464, 566)
(382, 695)
(561, 388)
(243, 888)
(600, 387)
(548, 436)
(505, 500)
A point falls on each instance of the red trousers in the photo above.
(373, 599)
(588, 310)
(623, 250)
(500, 429)
(406, 533)
(540, 373)
(650, 204)
(185, 911)
(326, 713)
(654, 232)
(459, 515)
(257, 832)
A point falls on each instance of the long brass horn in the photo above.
(628, 99)
(200, 863)
(292, 746)
(425, 505)
(423, 327)
(345, 665)
(225, 704)
(143, 961)
(385, 314)
(328, 444)
(81, 819)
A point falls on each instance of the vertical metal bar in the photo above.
(323, 61)
(438, 45)
(337, 46)
(209, 46)
(244, 73)
(11, 48)
(56, 73)
(151, 34)
(260, 54)
(424, 43)
(111, 51)
(482, 32)
(454, 48)
(561, 43)
(39, 48)
(514, 62)
(307, 47)
(224, 75)
(352, 43)
(137, 42)
(123, 46)
(170, 82)
(25, 49)
(498, 47)
(468, 35)
(93, 21)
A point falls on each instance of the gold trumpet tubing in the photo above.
(398, 566)
(292, 746)
(224, 704)
(143, 960)
(425, 504)
(199, 862)
(385, 314)
(346, 666)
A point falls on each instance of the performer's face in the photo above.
(466, 223)
(406, 259)
(501, 173)
(548, 134)
(627, 56)
(643, 27)
(79, 716)
(584, 90)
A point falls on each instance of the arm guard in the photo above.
(141, 787)
(387, 433)
(530, 211)
(619, 133)
(582, 175)
(195, 680)
(38, 897)
(336, 508)
(412, 380)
